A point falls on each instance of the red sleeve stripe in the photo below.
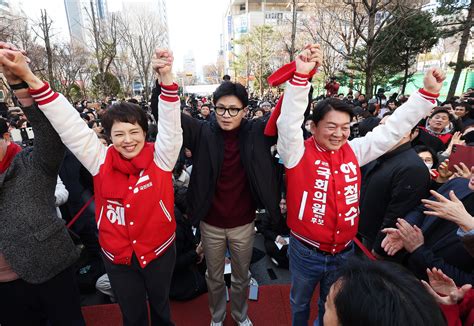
(43, 95)
(428, 96)
(296, 82)
(34, 92)
(169, 93)
(302, 76)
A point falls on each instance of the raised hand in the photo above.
(451, 209)
(392, 243)
(17, 64)
(433, 80)
(308, 59)
(444, 173)
(162, 63)
(443, 288)
(411, 236)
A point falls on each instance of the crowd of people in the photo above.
(167, 192)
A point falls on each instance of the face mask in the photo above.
(429, 165)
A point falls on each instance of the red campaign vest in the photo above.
(323, 197)
(143, 223)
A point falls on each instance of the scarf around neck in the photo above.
(118, 172)
(10, 154)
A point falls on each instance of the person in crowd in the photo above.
(266, 107)
(379, 294)
(331, 87)
(233, 174)
(403, 176)
(37, 285)
(136, 233)
(258, 113)
(439, 125)
(96, 125)
(428, 241)
(188, 279)
(180, 176)
(276, 237)
(205, 112)
(456, 303)
(323, 177)
(462, 111)
(427, 155)
(370, 122)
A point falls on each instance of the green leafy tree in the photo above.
(458, 17)
(106, 84)
(415, 34)
(258, 50)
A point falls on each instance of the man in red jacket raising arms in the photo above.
(323, 177)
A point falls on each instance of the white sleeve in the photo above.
(170, 135)
(73, 131)
(61, 193)
(384, 137)
(290, 144)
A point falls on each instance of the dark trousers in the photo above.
(54, 302)
(131, 285)
(280, 255)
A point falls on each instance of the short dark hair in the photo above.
(331, 104)
(207, 105)
(226, 78)
(229, 88)
(440, 109)
(465, 105)
(124, 112)
(424, 148)
(383, 293)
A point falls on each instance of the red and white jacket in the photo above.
(143, 223)
(323, 187)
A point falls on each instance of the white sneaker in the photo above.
(246, 322)
(213, 323)
(221, 323)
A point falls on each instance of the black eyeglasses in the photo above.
(220, 110)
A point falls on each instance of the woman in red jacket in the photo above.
(132, 183)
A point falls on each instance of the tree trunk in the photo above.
(461, 52)
(369, 65)
(405, 77)
(100, 63)
(293, 29)
(47, 43)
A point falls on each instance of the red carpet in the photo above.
(272, 309)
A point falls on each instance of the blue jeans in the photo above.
(308, 268)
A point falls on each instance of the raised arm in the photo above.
(384, 137)
(73, 131)
(170, 135)
(290, 142)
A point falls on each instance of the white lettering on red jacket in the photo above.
(323, 186)
(143, 223)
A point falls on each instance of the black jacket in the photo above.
(206, 142)
(442, 247)
(392, 186)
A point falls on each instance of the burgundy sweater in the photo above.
(232, 204)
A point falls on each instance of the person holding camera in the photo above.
(132, 185)
(37, 284)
